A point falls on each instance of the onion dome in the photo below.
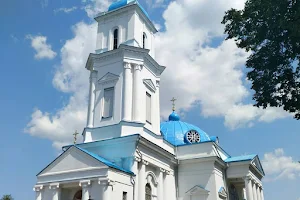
(179, 133)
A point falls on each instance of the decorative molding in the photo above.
(38, 188)
(54, 186)
(196, 190)
(151, 176)
(138, 67)
(149, 84)
(157, 83)
(108, 78)
(93, 75)
(144, 162)
(162, 170)
(127, 65)
(137, 159)
(85, 183)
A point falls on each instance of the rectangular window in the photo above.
(148, 107)
(124, 195)
(108, 103)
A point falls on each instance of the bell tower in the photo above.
(124, 76)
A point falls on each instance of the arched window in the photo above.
(144, 40)
(116, 35)
(78, 195)
(148, 191)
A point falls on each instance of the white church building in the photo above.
(127, 153)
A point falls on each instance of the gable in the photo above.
(72, 160)
(256, 163)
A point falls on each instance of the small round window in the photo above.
(193, 136)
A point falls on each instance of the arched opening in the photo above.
(116, 37)
(144, 40)
(78, 195)
(148, 191)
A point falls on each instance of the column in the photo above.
(262, 193)
(85, 185)
(248, 187)
(135, 170)
(160, 189)
(38, 192)
(138, 97)
(55, 191)
(258, 192)
(254, 190)
(127, 92)
(169, 186)
(106, 188)
(90, 117)
(142, 180)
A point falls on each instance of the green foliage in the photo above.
(7, 197)
(270, 30)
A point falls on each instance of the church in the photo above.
(127, 152)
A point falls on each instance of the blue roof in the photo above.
(121, 3)
(240, 158)
(104, 161)
(174, 131)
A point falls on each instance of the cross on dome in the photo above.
(75, 136)
(173, 104)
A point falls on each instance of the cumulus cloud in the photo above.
(65, 10)
(207, 70)
(70, 77)
(43, 50)
(277, 165)
(94, 7)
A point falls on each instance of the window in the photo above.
(193, 136)
(116, 35)
(144, 40)
(148, 107)
(148, 192)
(78, 195)
(108, 103)
(124, 196)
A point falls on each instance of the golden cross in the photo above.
(75, 136)
(173, 104)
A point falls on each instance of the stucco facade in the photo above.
(127, 153)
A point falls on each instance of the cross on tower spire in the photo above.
(173, 104)
(75, 136)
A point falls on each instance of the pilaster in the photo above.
(142, 179)
(137, 94)
(160, 192)
(85, 185)
(248, 187)
(91, 107)
(54, 187)
(38, 191)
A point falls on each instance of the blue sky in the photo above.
(43, 87)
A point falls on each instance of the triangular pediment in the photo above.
(149, 84)
(197, 190)
(70, 161)
(222, 193)
(257, 164)
(108, 78)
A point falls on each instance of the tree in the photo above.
(270, 30)
(7, 197)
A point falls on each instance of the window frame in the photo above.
(150, 108)
(144, 40)
(111, 112)
(115, 39)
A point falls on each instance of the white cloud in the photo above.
(39, 44)
(279, 166)
(72, 77)
(65, 10)
(94, 7)
(201, 74)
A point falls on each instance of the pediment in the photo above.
(70, 161)
(108, 78)
(150, 84)
(222, 193)
(256, 163)
(197, 190)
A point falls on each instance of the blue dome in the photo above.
(175, 131)
(120, 3)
